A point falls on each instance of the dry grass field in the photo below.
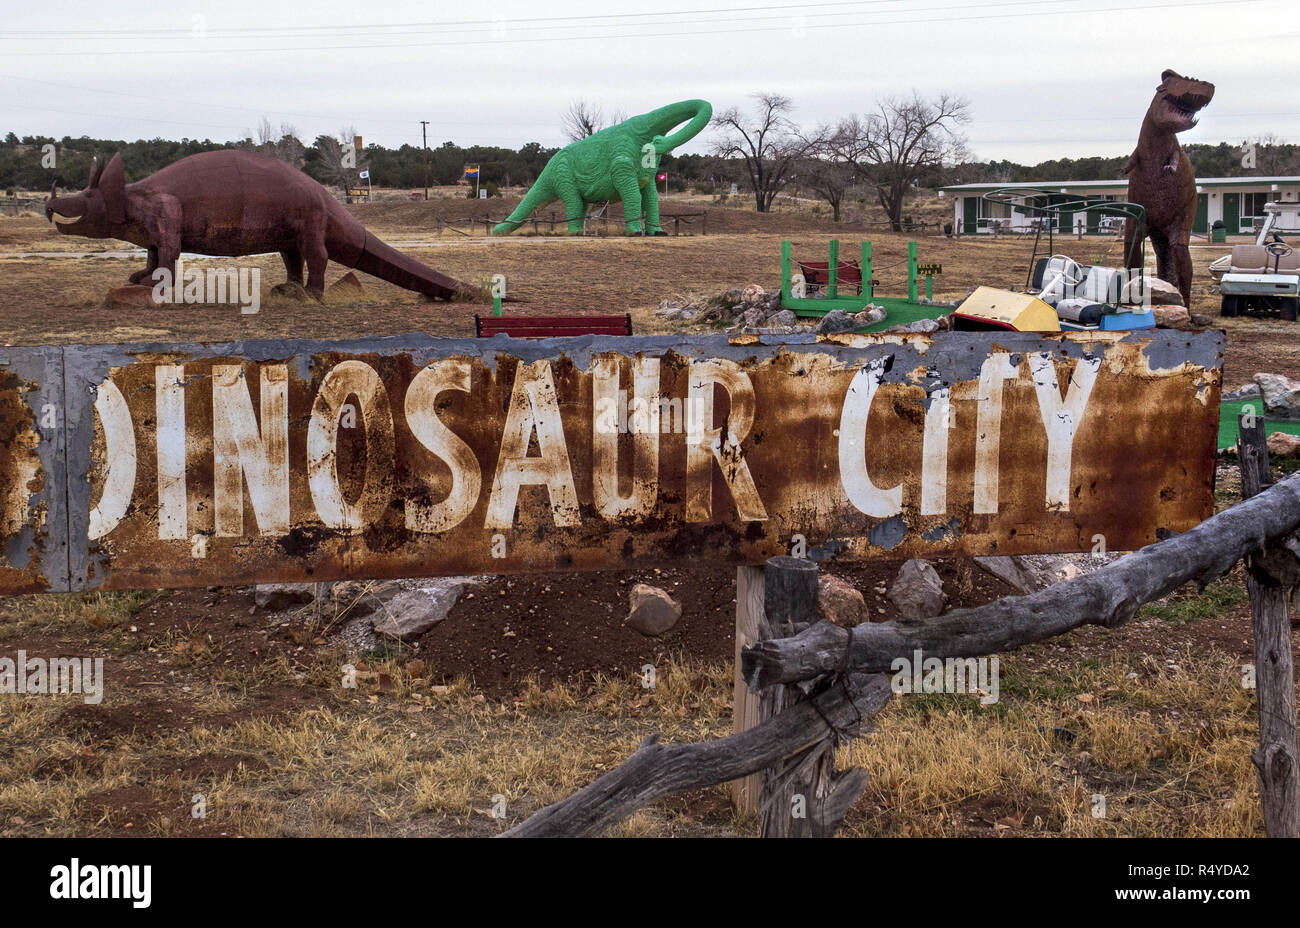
(210, 699)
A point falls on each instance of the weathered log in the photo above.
(657, 770)
(1271, 574)
(1109, 596)
(801, 796)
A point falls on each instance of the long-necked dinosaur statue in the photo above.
(615, 163)
(235, 203)
(1160, 178)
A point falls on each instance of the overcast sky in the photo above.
(1045, 78)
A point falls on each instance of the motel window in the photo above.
(1252, 209)
(992, 209)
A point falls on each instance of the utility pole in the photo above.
(424, 132)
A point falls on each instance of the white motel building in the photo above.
(1237, 201)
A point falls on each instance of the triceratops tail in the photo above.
(387, 263)
(537, 196)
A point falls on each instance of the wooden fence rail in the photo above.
(838, 671)
(551, 221)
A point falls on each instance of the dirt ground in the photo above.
(532, 686)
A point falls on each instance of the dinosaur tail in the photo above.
(537, 196)
(387, 263)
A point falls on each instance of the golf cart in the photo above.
(1088, 297)
(1265, 276)
(1262, 278)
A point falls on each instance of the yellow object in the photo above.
(990, 308)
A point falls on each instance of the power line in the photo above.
(59, 32)
(504, 40)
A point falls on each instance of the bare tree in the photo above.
(828, 176)
(889, 147)
(282, 143)
(582, 119)
(767, 142)
(341, 161)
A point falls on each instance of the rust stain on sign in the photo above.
(33, 524)
(409, 456)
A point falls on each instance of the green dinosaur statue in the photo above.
(618, 162)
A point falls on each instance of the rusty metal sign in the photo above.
(186, 465)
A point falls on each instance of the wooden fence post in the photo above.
(744, 713)
(1269, 576)
(802, 796)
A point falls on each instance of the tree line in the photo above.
(900, 144)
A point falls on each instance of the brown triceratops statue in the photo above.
(235, 203)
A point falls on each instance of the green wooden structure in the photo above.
(899, 309)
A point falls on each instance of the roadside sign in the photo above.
(129, 466)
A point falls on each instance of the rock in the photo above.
(753, 293)
(651, 611)
(347, 285)
(133, 296)
(1201, 321)
(752, 316)
(837, 320)
(871, 315)
(917, 591)
(917, 327)
(1015, 570)
(1281, 395)
(840, 603)
(782, 317)
(1283, 445)
(418, 605)
(276, 596)
(1172, 317)
(1157, 292)
(1249, 391)
(291, 291)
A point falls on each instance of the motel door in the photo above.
(1232, 212)
(1201, 223)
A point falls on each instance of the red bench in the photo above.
(551, 326)
(817, 274)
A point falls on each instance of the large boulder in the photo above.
(1172, 317)
(1281, 395)
(418, 605)
(837, 320)
(651, 611)
(1159, 292)
(1282, 445)
(917, 591)
(132, 296)
(840, 603)
(1017, 571)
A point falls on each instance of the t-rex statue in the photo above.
(615, 163)
(235, 203)
(1160, 179)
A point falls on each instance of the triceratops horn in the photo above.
(96, 168)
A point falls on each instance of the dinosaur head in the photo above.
(657, 125)
(1178, 99)
(96, 211)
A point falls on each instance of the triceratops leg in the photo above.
(146, 275)
(292, 258)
